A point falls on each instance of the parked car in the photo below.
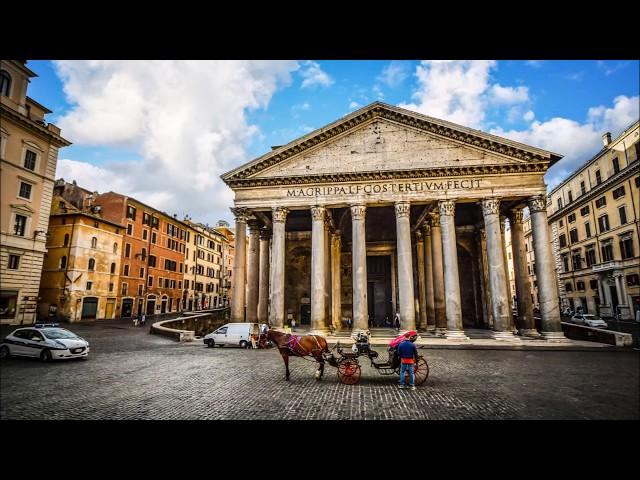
(232, 334)
(588, 320)
(44, 341)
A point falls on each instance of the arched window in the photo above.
(5, 83)
(113, 267)
(63, 262)
(115, 247)
(92, 264)
(66, 239)
(94, 242)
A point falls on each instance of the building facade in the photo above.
(82, 265)
(338, 214)
(28, 159)
(594, 219)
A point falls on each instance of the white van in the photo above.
(232, 334)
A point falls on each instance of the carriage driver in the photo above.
(408, 357)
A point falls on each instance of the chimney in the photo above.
(606, 139)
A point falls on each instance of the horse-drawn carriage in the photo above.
(349, 370)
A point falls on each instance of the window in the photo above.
(124, 288)
(94, 242)
(127, 250)
(563, 240)
(603, 223)
(591, 257)
(150, 281)
(571, 218)
(593, 284)
(66, 240)
(154, 238)
(623, 215)
(113, 268)
(584, 211)
(115, 247)
(633, 280)
(607, 252)
(20, 225)
(570, 195)
(626, 247)
(580, 286)
(126, 270)
(14, 262)
(565, 262)
(152, 260)
(63, 262)
(166, 283)
(96, 224)
(618, 192)
(568, 287)
(5, 85)
(129, 229)
(145, 233)
(139, 290)
(180, 284)
(89, 285)
(141, 272)
(131, 212)
(598, 177)
(583, 188)
(146, 219)
(616, 165)
(559, 203)
(111, 287)
(25, 190)
(155, 222)
(30, 159)
(577, 261)
(601, 202)
(92, 264)
(637, 179)
(573, 234)
(587, 230)
(143, 254)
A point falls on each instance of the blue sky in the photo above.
(164, 131)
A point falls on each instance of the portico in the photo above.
(386, 211)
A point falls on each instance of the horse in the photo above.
(300, 346)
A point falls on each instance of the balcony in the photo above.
(604, 266)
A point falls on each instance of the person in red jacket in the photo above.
(408, 357)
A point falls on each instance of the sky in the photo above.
(164, 131)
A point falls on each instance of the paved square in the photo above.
(133, 375)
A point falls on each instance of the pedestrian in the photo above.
(349, 323)
(293, 323)
(143, 320)
(135, 320)
(408, 358)
(397, 321)
(387, 322)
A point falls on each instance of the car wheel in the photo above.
(243, 344)
(4, 352)
(45, 356)
(211, 343)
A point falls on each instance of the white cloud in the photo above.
(394, 73)
(377, 91)
(185, 118)
(314, 76)
(611, 69)
(534, 63)
(354, 105)
(508, 95)
(529, 116)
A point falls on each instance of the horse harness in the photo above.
(294, 346)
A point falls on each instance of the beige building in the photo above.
(228, 250)
(594, 219)
(204, 269)
(347, 212)
(530, 257)
(81, 268)
(28, 158)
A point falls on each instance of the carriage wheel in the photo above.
(349, 372)
(420, 372)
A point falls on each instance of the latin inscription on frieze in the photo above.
(397, 187)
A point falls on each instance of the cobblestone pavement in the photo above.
(133, 375)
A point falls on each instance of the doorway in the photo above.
(305, 314)
(127, 307)
(111, 303)
(379, 301)
(151, 305)
(89, 308)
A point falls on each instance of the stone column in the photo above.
(545, 272)
(438, 274)
(526, 323)
(600, 291)
(405, 269)
(428, 274)
(359, 256)
(619, 289)
(497, 279)
(317, 269)
(453, 304)
(327, 274)
(505, 255)
(488, 303)
(263, 291)
(239, 265)
(253, 271)
(276, 313)
(422, 288)
(336, 304)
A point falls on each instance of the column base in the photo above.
(456, 335)
(505, 336)
(556, 337)
(431, 328)
(529, 332)
(320, 331)
(440, 332)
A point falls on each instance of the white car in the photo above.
(238, 334)
(47, 342)
(588, 320)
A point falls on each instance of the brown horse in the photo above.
(300, 346)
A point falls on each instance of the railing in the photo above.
(610, 265)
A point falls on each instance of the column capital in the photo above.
(318, 213)
(435, 219)
(537, 204)
(254, 226)
(427, 229)
(517, 216)
(241, 213)
(265, 234)
(447, 207)
(403, 209)
(358, 211)
(419, 236)
(279, 214)
(490, 206)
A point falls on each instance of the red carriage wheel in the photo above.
(349, 372)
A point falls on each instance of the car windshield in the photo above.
(590, 317)
(55, 333)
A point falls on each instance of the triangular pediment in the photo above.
(381, 139)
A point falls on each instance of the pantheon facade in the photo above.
(386, 210)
